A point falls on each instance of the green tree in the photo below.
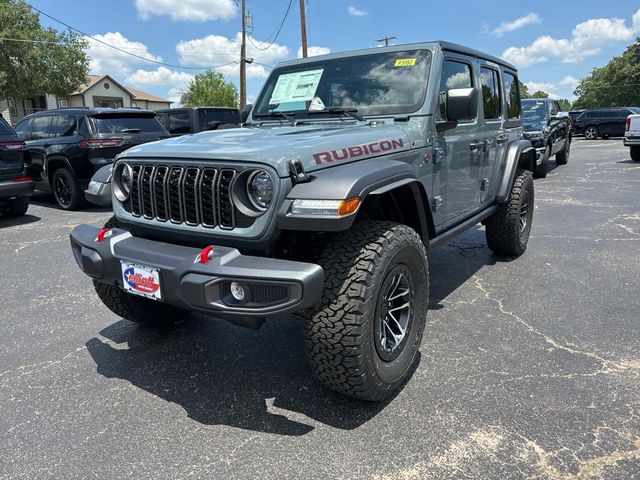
(565, 105)
(615, 84)
(37, 60)
(524, 91)
(209, 89)
(540, 94)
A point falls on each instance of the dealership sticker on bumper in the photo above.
(141, 280)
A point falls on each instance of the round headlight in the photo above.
(260, 189)
(122, 181)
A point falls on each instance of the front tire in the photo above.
(66, 190)
(563, 157)
(508, 229)
(635, 153)
(591, 133)
(16, 207)
(363, 339)
(542, 169)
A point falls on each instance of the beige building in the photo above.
(97, 91)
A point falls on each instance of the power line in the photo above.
(187, 67)
(277, 30)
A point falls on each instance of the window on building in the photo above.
(490, 93)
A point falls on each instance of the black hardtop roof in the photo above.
(447, 46)
(89, 111)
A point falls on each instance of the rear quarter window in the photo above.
(135, 124)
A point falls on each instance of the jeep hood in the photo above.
(317, 146)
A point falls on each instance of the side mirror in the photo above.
(560, 115)
(244, 116)
(462, 104)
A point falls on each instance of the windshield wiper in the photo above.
(351, 112)
(273, 113)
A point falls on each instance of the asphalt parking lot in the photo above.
(529, 368)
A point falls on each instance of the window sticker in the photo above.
(405, 62)
(296, 86)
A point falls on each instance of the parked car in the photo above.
(353, 165)
(632, 136)
(549, 131)
(574, 114)
(604, 122)
(65, 147)
(179, 121)
(15, 185)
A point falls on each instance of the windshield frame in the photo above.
(258, 115)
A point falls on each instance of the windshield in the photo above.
(131, 123)
(533, 112)
(374, 84)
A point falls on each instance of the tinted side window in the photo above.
(553, 109)
(490, 93)
(178, 122)
(224, 116)
(41, 127)
(454, 75)
(512, 94)
(23, 129)
(63, 126)
(624, 113)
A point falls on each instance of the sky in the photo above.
(554, 43)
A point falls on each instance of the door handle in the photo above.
(475, 146)
(502, 138)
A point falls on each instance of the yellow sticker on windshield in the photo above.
(405, 62)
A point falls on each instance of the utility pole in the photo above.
(386, 40)
(303, 29)
(243, 59)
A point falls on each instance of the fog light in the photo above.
(237, 291)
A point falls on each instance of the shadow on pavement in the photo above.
(45, 199)
(256, 380)
(6, 222)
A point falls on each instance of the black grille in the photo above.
(268, 294)
(190, 195)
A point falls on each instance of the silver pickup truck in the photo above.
(350, 167)
(632, 136)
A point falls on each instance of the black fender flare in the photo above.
(55, 159)
(519, 154)
(361, 179)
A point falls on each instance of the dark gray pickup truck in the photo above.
(349, 169)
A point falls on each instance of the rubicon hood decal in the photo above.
(365, 149)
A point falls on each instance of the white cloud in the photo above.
(517, 24)
(105, 60)
(356, 12)
(314, 51)
(218, 50)
(162, 76)
(546, 87)
(587, 39)
(174, 96)
(569, 81)
(189, 10)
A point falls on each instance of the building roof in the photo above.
(135, 94)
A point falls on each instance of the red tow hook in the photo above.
(103, 234)
(203, 256)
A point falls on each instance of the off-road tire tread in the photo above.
(635, 153)
(78, 200)
(563, 157)
(337, 333)
(16, 207)
(542, 169)
(501, 227)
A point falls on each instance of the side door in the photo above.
(492, 135)
(557, 128)
(459, 164)
(622, 121)
(65, 142)
(37, 144)
(608, 120)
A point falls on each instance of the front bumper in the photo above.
(631, 141)
(273, 286)
(9, 189)
(99, 193)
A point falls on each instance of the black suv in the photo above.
(604, 122)
(66, 146)
(179, 121)
(549, 131)
(15, 186)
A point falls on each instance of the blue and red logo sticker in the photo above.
(141, 281)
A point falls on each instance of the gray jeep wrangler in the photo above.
(348, 170)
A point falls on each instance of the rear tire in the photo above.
(137, 309)
(563, 157)
(635, 153)
(66, 190)
(509, 227)
(355, 345)
(16, 207)
(542, 169)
